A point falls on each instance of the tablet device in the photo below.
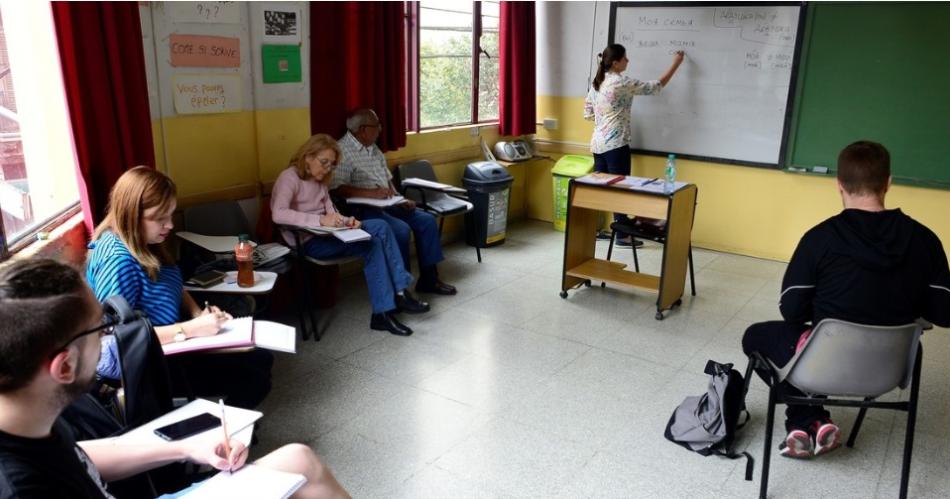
(188, 427)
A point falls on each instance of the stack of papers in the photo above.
(644, 184)
(379, 203)
(266, 253)
(448, 204)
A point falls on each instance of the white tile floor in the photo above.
(508, 391)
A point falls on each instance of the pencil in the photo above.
(227, 438)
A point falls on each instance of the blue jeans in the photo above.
(617, 162)
(382, 263)
(404, 223)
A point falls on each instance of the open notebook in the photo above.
(250, 481)
(343, 234)
(240, 332)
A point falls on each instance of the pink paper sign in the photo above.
(198, 51)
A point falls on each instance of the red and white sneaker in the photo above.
(827, 437)
(797, 445)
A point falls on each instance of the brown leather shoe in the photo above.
(439, 288)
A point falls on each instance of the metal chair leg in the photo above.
(610, 249)
(633, 246)
(911, 424)
(857, 424)
(692, 277)
(300, 299)
(478, 253)
(767, 452)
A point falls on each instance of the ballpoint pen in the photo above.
(648, 182)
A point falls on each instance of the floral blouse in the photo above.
(610, 109)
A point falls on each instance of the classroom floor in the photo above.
(506, 390)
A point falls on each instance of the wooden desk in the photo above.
(585, 204)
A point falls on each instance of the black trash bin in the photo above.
(489, 187)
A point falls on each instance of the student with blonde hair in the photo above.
(301, 198)
(129, 259)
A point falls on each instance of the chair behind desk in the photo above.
(842, 358)
(650, 229)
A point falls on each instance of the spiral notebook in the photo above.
(250, 481)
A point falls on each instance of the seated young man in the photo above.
(868, 265)
(50, 324)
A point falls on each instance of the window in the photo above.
(37, 162)
(453, 63)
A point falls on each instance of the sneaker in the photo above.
(624, 242)
(797, 445)
(827, 436)
(603, 235)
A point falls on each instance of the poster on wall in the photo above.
(199, 51)
(281, 63)
(281, 26)
(203, 12)
(206, 93)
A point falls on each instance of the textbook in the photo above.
(598, 178)
(379, 203)
(249, 481)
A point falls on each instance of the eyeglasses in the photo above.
(377, 125)
(109, 322)
(326, 163)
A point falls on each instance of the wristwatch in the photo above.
(180, 335)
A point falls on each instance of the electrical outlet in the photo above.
(550, 123)
(473, 131)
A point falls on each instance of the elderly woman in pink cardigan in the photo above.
(301, 198)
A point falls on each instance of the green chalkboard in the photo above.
(875, 71)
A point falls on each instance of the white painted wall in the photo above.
(569, 35)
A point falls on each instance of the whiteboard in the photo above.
(729, 99)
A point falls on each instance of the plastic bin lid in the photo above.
(486, 172)
(573, 165)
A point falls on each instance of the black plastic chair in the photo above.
(844, 359)
(440, 204)
(302, 259)
(650, 229)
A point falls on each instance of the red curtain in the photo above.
(357, 60)
(100, 47)
(516, 92)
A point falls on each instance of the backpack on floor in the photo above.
(707, 423)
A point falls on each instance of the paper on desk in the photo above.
(428, 184)
(238, 420)
(379, 203)
(449, 204)
(250, 481)
(646, 184)
(215, 244)
(237, 332)
(275, 336)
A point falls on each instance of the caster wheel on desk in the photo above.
(658, 316)
(587, 283)
(677, 303)
(564, 294)
(603, 284)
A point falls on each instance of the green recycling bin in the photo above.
(570, 165)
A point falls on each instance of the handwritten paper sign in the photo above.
(197, 51)
(204, 94)
(204, 12)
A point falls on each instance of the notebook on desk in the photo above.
(250, 481)
(240, 332)
(342, 233)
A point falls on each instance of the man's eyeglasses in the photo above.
(109, 322)
(377, 125)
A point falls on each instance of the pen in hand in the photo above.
(227, 438)
(648, 182)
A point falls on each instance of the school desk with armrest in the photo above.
(585, 204)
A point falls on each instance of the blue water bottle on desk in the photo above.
(670, 174)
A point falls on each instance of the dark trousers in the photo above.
(776, 340)
(617, 162)
(243, 379)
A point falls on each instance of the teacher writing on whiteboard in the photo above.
(608, 103)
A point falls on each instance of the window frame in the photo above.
(413, 70)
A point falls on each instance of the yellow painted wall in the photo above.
(744, 210)
(226, 155)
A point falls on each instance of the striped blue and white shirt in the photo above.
(112, 270)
